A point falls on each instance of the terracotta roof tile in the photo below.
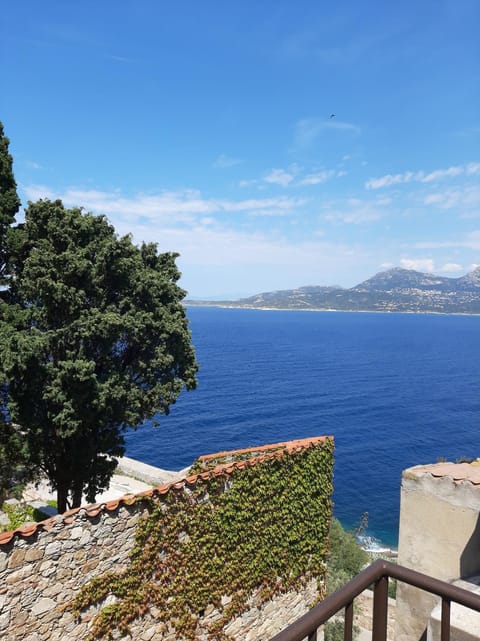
(265, 452)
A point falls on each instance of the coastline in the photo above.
(328, 310)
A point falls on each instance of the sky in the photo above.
(273, 144)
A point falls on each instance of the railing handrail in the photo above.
(378, 570)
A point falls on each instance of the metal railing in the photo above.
(377, 575)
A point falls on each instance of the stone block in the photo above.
(16, 558)
(33, 554)
(42, 606)
(4, 620)
(53, 550)
(76, 532)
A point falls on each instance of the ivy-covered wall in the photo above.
(244, 530)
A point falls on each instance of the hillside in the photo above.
(394, 290)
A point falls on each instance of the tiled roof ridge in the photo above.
(91, 511)
(265, 448)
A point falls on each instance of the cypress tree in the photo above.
(94, 339)
(9, 200)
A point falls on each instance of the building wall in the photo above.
(44, 567)
(439, 536)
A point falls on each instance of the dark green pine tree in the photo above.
(9, 200)
(93, 339)
(13, 451)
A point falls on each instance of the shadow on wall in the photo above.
(470, 557)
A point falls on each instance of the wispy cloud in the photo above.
(33, 165)
(320, 177)
(182, 206)
(293, 177)
(471, 240)
(471, 169)
(354, 211)
(279, 177)
(418, 264)
(451, 268)
(308, 130)
(223, 161)
(466, 199)
(123, 59)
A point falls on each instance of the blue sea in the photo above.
(395, 390)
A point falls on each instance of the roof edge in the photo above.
(266, 452)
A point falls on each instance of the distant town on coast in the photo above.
(394, 290)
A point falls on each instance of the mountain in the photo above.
(394, 290)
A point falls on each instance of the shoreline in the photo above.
(328, 310)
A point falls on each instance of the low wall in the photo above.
(439, 535)
(237, 549)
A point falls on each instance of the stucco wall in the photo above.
(439, 536)
(43, 567)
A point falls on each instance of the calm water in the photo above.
(395, 390)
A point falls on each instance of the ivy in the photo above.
(259, 530)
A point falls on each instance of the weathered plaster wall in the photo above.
(439, 535)
(44, 566)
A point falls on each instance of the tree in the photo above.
(12, 451)
(94, 339)
(9, 201)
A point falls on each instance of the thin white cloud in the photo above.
(288, 178)
(307, 130)
(466, 199)
(471, 240)
(473, 169)
(354, 211)
(124, 59)
(279, 177)
(441, 173)
(451, 268)
(248, 183)
(181, 205)
(320, 177)
(418, 264)
(33, 165)
(223, 161)
(420, 176)
(389, 179)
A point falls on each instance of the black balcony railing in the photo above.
(377, 575)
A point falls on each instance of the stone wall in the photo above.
(40, 574)
(44, 566)
(439, 536)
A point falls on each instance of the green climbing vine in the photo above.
(262, 529)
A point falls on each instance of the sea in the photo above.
(395, 390)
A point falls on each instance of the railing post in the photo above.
(380, 609)
(348, 622)
(445, 624)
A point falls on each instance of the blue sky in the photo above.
(206, 127)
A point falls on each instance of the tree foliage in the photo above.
(94, 339)
(12, 450)
(346, 558)
(9, 201)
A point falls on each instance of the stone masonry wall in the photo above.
(40, 575)
(43, 567)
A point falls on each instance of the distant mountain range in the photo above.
(394, 290)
